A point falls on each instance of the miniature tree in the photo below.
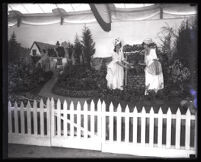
(88, 46)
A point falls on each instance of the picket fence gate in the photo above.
(91, 126)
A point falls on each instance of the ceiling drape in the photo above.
(104, 15)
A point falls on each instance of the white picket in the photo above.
(127, 124)
(9, 117)
(78, 119)
(58, 110)
(160, 126)
(99, 117)
(71, 119)
(135, 113)
(195, 136)
(119, 123)
(65, 110)
(85, 120)
(35, 117)
(101, 125)
(103, 122)
(22, 117)
(41, 118)
(168, 130)
(16, 118)
(111, 122)
(187, 130)
(48, 117)
(178, 128)
(52, 112)
(29, 117)
(151, 127)
(92, 105)
(143, 126)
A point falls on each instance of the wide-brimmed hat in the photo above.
(148, 41)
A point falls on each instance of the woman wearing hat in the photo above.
(115, 69)
(153, 70)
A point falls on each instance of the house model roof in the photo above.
(44, 46)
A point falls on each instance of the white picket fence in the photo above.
(90, 126)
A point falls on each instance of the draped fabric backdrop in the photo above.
(131, 25)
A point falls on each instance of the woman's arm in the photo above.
(126, 62)
(119, 63)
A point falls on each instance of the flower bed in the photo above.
(73, 93)
(23, 78)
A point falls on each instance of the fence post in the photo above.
(35, 117)
(103, 108)
(178, 128)
(52, 123)
(71, 113)
(195, 137)
(58, 117)
(143, 126)
(160, 126)
(151, 128)
(9, 117)
(48, 108)
(78, 119)
(41, 117)
(111, 122)
(135, 113)
(92, 108)
(127, 124)
(119, 123)
(85, 119)
(22, 117)
(168, 131)
(65, 118)
(29, 117)
(16, 117)
(99, 118)
(187, 133)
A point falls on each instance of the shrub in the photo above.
(23, 78)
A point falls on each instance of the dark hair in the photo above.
(115, 47)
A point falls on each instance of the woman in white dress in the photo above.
(115, 69)
(153, 70)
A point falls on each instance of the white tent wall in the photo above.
(131, 32)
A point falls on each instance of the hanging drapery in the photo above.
(102, 15)
(143, 13)
(48, 19)
(40, 20)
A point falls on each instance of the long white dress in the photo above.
(115, 72)
(152, 82)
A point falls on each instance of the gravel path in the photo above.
(46, 92)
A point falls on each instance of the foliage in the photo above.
(51, 52)
(35, 59)
(60, 51)
(57, 43)
(15, 50)
(78, 50)
(178, 54)
(186, 47)
(168, 40)
(77, 77)
(88, 46)
(23, 78)
(179, 73)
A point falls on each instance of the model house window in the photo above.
(59, 61)
(34, 52)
